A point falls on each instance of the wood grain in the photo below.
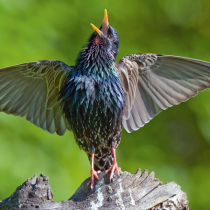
(129, 191)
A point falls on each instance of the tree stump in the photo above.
(129, 191)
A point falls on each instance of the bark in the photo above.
(129, 191)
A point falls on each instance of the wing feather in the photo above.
(31, 90)
(153, 83)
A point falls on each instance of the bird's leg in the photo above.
(113, 167)
(94, 174)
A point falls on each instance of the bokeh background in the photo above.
(175, 144)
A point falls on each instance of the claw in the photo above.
(113, 167)
(94, 174)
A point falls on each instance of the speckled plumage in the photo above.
(92, 100)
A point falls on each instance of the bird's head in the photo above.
(105, 38)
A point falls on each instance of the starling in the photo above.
(98, 97)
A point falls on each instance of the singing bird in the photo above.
(98, 97)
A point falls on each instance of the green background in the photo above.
(175, 144)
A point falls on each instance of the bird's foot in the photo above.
(112, 169)
(94, 175)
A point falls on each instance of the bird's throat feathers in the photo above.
(96, 59)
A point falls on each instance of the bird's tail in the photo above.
(103, 159)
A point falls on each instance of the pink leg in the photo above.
(113, 167)
(93, 172)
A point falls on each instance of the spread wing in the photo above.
(153, 83)
(31, 90)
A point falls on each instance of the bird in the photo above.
(98, 96)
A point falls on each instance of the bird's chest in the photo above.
(95, 106)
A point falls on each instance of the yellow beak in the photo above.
(105, 26)
(96, 30)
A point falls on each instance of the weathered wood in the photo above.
(129, 191)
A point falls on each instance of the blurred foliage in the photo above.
(175, 144)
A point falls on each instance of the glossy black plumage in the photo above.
(93, 97)
(98, 97)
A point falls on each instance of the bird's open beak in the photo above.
(96, 30)
(105, 26)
